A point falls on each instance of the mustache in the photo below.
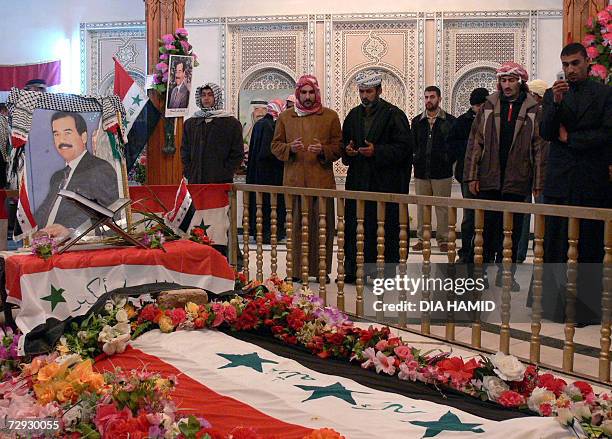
(64, 145)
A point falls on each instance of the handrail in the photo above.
(497, 206)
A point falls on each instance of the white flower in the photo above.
(122, 328)
(606, 427)
(117, 345)
(573, 392)
(108, 307)
(119, 301)
(565, 417)
(494, 387)
(106, 334)
(508, 367)
(539, 396)
(83, 335)
(121, 316)
(68, 360)
(581, 411)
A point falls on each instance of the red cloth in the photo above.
(204, 196)
(17, 76)
(223, 412)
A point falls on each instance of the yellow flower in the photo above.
(192, 309)
(63, 349)
(286, 288)
(96, 382)
(65, 392)
(50, 371)
(130, 310)
(165, 324)
(44, 393)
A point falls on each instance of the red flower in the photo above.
(334, 338)
(178, 316)
(546, 409)
(555, 385)
(511, 399)
(290, 339)
(458, 371)
(585, 388)
(199, 323)
(592, 52)
(243, 433)
(277, 329)
(148, 313)
(296, 318)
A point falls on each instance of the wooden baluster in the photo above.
(305, 238)
(233, 235)
(289, 232)
(606, 307)
(245, 234)
(360, 257)
(340, 255)
(322, 248)
(403, 258)
(425, 316)
(478, 273)
(570, 308)
(380, 251)
(504, 330)
(538, 272)
(273, 234)
(259, 235)
(452, 255)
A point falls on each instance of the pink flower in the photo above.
(381, 345)
(609, 28)
(408, 371)
(403, 352)
(186, 46)
(164, 56)
(229, 313)
(599, 71)
(588, 40)
(384, 364)
(178, 316)
(167, 39)
(217, 308)
(170, 47)
(589, 22)
(370, 354)
(162, 66)
(592, 52)
(603, 17)
(607, 39)
(546, 409)
(165, 77)
(182, 32)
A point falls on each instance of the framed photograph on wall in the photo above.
(179, 85)
(72, 143)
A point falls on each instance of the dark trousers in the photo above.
(493, 233)
(466, 254)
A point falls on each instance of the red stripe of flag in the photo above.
(192, 397)
(123, 81)
(204, 196)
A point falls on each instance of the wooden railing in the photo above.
(300, 220)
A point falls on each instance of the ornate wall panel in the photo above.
(471, 49)
(256, 51)
(100, 42)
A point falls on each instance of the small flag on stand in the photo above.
(181, 215)
(25, 223)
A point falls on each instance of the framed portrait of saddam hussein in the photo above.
(68, 142)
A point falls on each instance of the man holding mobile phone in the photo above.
(577, 120)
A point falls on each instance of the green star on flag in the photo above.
(136, 100)
(336, 390)
(448, 422)
(254, 361)
(55, 297)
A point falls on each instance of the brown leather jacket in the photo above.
(526, 159)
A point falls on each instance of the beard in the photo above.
(368, 103)
(431, 107)
(307, 103)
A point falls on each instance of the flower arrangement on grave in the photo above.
(171, 44)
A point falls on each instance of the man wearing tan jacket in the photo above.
(504, 158)
(308, 140)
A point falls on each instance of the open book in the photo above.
(91, 207)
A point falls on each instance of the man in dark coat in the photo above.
(264, 168)
(457, 141)
(378, 152)
(577, 120)
(212, 140)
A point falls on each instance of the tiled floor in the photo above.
(520, 320)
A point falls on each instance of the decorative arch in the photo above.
(268, 78)
(394, 90)
(483, 76)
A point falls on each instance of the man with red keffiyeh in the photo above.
(307, 138)
(504, 158)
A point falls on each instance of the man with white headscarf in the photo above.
(378, 152)
(264, 168)
(308, 140)
(212, 140)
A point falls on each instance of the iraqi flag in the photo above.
(252, 380)
(142, 116)
(181, 216)
(25, 223)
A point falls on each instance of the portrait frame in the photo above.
(38, 153)
(178, 96)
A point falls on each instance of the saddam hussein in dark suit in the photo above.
(85, 174)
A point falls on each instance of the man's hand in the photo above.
(474, 187)
(559, 88)
(315, 147)
(350, 149)
(562, 134)
(367, 151)
(297, 145)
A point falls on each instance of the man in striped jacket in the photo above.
(504, 159)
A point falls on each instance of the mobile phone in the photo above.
(561, 76)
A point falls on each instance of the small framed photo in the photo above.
(179, 85)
